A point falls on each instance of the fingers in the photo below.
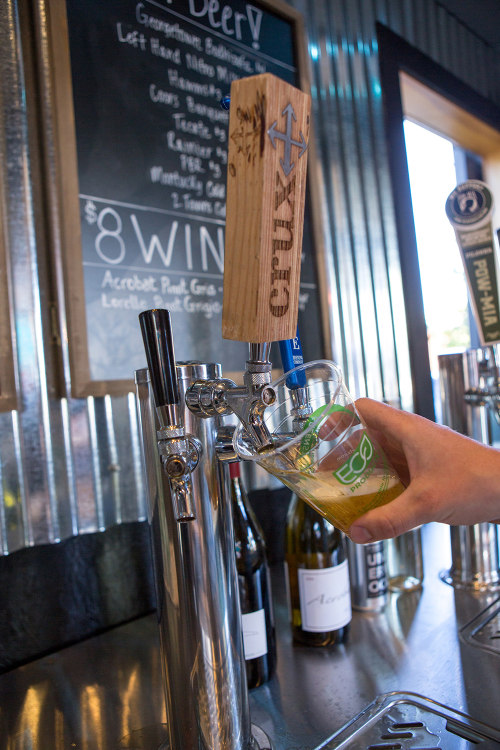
(454, 480)
(393, 423)
(390, 520)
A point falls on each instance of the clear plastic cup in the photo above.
(320, 447)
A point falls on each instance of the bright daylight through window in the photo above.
(431, 167)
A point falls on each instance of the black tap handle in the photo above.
(159, 345)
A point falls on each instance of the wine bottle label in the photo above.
(287, 591)
(325, 598)
(254, 634)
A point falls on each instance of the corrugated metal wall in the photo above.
(367, 312)
(73, 466)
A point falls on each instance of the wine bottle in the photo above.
(317, 577)
(254, 586)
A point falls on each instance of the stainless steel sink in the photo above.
(484, 630)
(407, 721)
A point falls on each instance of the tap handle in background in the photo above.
(291, 356)
(269, 125)
(158, 342)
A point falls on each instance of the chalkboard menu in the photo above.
(150, 144)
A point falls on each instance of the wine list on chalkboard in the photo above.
(151, 145)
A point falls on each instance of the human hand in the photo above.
(450, 478)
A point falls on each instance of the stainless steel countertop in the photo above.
(105, 693)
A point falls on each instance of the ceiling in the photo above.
(482, 16)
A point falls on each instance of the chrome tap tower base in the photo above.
(197, 588)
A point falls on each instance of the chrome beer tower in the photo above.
(182, 408)
(185, 445)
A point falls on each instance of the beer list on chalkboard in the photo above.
(152, 144)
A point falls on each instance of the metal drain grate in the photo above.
(484, 630)
(406, 721)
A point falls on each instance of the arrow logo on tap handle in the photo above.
(286, 163)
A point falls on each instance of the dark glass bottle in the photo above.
(317, 577)
(254, 586)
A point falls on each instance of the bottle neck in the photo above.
(234, 470)
(242, 508)
(237, 491)
(305, 513)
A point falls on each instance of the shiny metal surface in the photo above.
(485, 385)
(109, 687)
(197, 587)
(404, 561)
(400, 720)
(454, 380)
(16, 529)
(475, 557)
(67, 466)
(484, 630)
(475, 549)
(367, 572)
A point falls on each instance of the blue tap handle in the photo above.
(291, 356)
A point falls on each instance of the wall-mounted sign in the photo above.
(142, 151)
(469, 209)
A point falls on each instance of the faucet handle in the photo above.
(158, 342)
(291, 357)
(267, 158)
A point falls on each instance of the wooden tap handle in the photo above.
(267, 161)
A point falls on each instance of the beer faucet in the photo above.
(247, 402)
(292, 357)
(487, 391)
(179, 453)
(186, 442)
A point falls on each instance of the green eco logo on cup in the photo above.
(356, 464)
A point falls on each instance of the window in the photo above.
(433, 175)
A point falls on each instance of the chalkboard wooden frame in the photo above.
(8, 393)
(71, 292)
